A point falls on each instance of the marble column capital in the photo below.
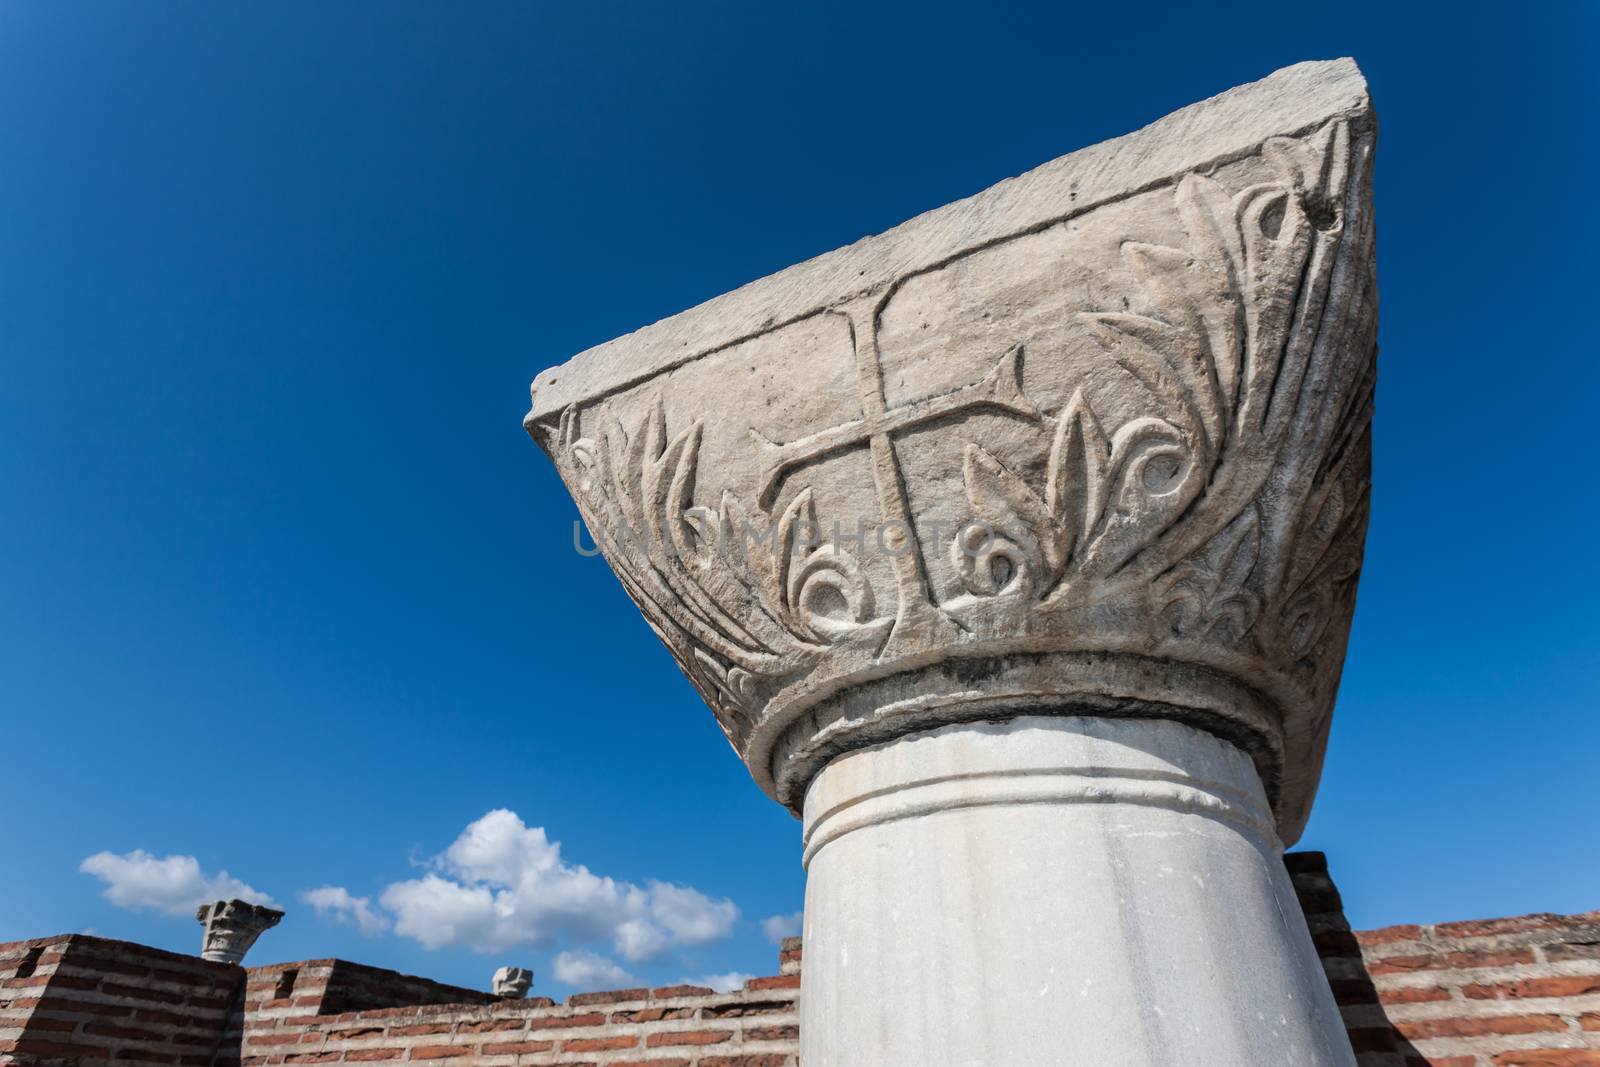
(1095, 441)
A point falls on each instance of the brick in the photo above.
(1535, 987)
(110, 966)
(36, 1047)
(142, 1055)
(1549, 1057)
(613, 996)
(491, 1026)
(54, 981)
(1449, 961)
(256, 1040)
(649, 1063)
(651, 1015)
(1590, 1020)
(1489, 927)
(517, 1048)
(443, 1052)
(688, 1037)
(1389, 935)
(777, 981)
(1413, 995)
(668, 991)
(421, 1030)
(1574, 950)
(67, 1006)
(189, 978)
(368, 1055)
(167, 1018)
(1418, 1029)
(600, 1044)
(760, 1059)
(126, 1033)
(739, 1009)
(565, 1021)
(133, 992)
(773, 1033)
(206, 1003)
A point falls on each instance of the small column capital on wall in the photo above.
(231, 928)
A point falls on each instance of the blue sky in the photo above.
(286, 589)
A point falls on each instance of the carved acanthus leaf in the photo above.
(1228, 351)
(739, 598)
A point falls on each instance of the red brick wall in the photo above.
(76, 999)
(307, 992)
(673, 1026)
(328, 987)
(1519, 992)
(1522, 992)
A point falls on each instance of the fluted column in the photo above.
(1055, 890)
(1016, 549)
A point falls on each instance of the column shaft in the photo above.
(1055, 890)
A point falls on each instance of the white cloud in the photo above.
(689, 916)
(589, 970)
(503, 884)
(731, 982)
(778, 927)
(334, 903)
(171, 884)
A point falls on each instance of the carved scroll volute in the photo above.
(1183, 541)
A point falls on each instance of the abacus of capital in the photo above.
(1015, 550)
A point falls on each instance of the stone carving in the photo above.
(231, 928)
(512, 983)
(1095, 442)
(1173, 504)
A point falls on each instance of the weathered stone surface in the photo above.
(231, 927)
(1092, 442)
(992, 893)
(512, 983)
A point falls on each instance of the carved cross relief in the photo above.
(918, 618)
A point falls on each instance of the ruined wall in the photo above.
(308, 991)
(672, 1026)
(1522, 992)
(76, 999)
(1519, 992)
